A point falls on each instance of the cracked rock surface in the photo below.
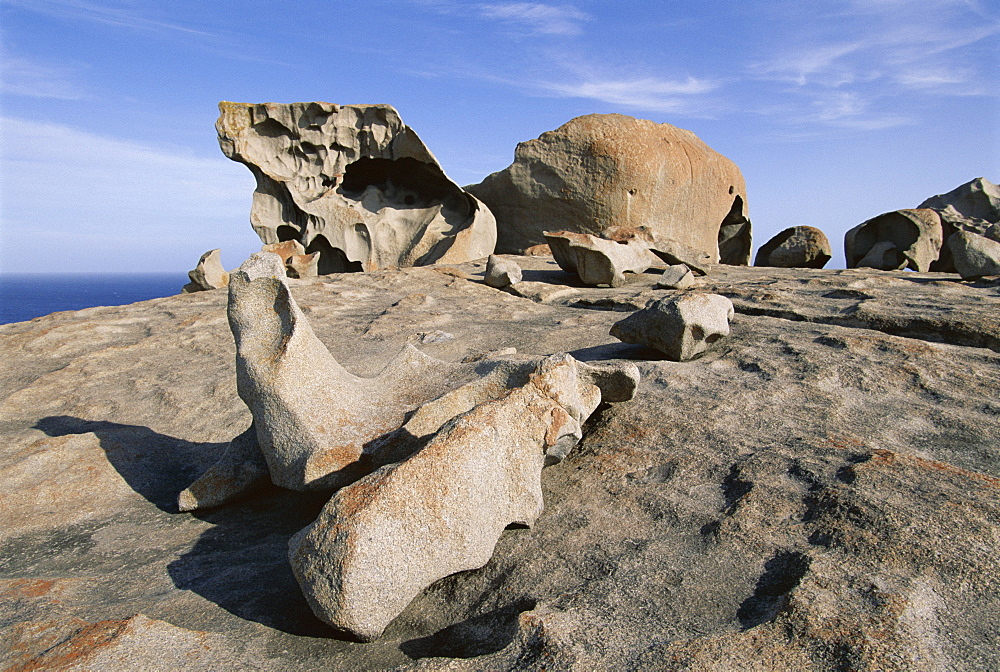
(821, 492)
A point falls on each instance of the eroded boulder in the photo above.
(354, 183)
(598, 261)
(208, 274)
(501, 272)
(605, 170)
(974, 255)
(796, 247)
(916, 234)
(677, 276)
(314, 419)
(379, 542)
(682, 327)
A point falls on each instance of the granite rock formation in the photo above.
(973, 255)
(916, 237)
(606, 170)
(384, 539)
(681, 327)
(208, 274)
(597, 261)
(677, 276)
(354, 183)
(795, 247)
(821, 491)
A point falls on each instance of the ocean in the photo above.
(25, 296)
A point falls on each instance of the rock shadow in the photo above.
(241, 563)
(476, 636)
(155, 465)
(619, 350)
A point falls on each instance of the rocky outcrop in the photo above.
(597, 261)
(208, 274)
(795, 247)
(681, 327)
(821, 491)
(966, 205)
(354, 183)
(916, 237)
(606, 170)
(381, 541)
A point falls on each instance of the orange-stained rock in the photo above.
(606, 170)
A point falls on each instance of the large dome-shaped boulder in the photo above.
(354, 183)
(606, 170)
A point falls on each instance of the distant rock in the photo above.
(208, 274)
(917, 235)
(678, 276)
(303, 265)
(598, 261)
(501, 272)
(681, 327)
(978, 199)
(286, 249)
(795, 247)
(973, 255)
(605, 170)
(354, 183)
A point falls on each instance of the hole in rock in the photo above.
(402, 182)
(285, 233)
(332, 259)
(734, 236)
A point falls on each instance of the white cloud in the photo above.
(133, 206)
(89, 11)
(22, 77)
(537, 18)
(647, 93)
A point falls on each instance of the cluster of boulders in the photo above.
(957, 232)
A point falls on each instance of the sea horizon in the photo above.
(26, 295)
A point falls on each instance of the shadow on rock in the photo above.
(782, 574)
(477, 636)
(241, 564)
(154, 465)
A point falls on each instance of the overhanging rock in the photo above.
(354, 183)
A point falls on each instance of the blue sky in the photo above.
(835, 110)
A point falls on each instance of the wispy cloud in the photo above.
(23, 77)
(536, 18)
(114, 16)
(145, 206)
(647, 93)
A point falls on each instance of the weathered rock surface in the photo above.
(598, 261)
(606, 170)
(681, 327)
(208, 274)
(501, 272)
(383, 540)
(354, 183)
(978, 199)
(894, 240)
(974, 256)
(796, 247)
(819, 492)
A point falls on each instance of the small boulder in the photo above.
(285, 249)
(883, 255)
(598, 261)
(208, 274)
(916, 234)
(501, 272)
(677, 276)
(681, 327)
(796, 247)
(974, 255)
